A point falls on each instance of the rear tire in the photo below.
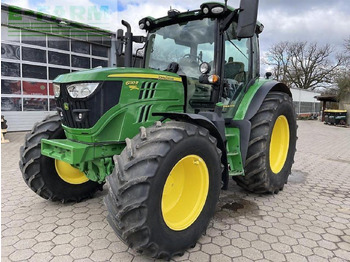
(137, 185)
(259, 177)
(39, 172)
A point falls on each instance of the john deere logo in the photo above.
(66, 106)
(132, 85)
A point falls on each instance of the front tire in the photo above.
(3, 124)
(164, 189)
(49, 178)
(271, 146)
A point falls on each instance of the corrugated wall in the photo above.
(23, 121)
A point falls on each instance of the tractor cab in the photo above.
(208, 49)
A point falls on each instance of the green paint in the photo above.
(94, 147)
(94, 160)
(247, 99)
(238, 112)
(75, 153)
(234, 157)
(101, 74)
(97, 170)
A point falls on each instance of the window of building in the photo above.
(80, 47)
(99, 62)
(11, 104)
(10, 69)
(34, 71)
(35, 104)
(57, 58)
(55, 72)
(34, 88)
(58, 43)
(10, 51)
(98, 50)
(33, 38)
(30, 61)
(12, 87)
(33, 55)
(80, 61)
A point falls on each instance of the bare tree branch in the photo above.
(303, 65)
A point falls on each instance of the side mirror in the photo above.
(268, 75)
(247, 18)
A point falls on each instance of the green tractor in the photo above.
(168, 136)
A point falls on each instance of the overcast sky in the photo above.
(322, 21)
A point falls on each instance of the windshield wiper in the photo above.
(228, 38)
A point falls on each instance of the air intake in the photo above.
(144, 113)
(147, 90)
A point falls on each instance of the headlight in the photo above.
(217, 10)
(204, 68)
(56, 90)
(81, 90)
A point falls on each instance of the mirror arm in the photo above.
(139, 39)
(227, 21)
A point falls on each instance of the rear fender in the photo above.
(254, 105)
(260, 95)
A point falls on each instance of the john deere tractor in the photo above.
(168, 136)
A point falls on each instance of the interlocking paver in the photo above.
(211, 249)
(220, 258)
(308, 221)
(81, 252)
(41, 257)
(61, 249)
(274, 255)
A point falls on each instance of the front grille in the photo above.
(91, 108)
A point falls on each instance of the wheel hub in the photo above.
(279, 144)
(69, 174)
(185, 192)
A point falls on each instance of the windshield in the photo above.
(188, 44)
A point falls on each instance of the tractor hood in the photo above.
(123, 97)
(112, 73)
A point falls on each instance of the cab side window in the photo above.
(236, 64)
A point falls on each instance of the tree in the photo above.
(347, 45)
(303, 65)
(343, 78)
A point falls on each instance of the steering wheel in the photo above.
(197, 58)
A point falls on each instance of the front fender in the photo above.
(215, 131)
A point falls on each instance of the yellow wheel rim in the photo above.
(70, 174)
(185, 192)
(279, 144)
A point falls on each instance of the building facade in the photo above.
(35, 49)
(305, 101)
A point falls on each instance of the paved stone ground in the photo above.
(308, 221)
